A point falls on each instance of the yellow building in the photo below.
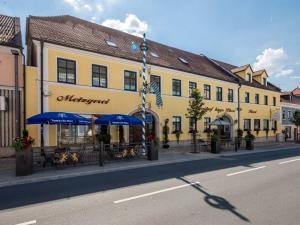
(81, 67)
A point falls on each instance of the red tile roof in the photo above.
(10, 32)
(76, 33)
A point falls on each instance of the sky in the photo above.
(265, 34)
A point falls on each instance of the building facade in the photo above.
(11, 83)
(81, 67)
(290, 103)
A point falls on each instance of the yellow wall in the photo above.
(126, 102)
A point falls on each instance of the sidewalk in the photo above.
(173, 155)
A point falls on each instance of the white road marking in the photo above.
(293, 160)
(155, 192)
(245, 171)
(28, 223)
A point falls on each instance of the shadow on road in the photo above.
(216, 201)
(40, 192)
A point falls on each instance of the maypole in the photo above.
(144, 48)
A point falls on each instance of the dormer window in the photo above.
(249, 77)
(111, 43)
(154, 54)
(265, 81)
(183, 60)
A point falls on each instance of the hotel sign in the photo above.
(88, 101)
(219, 110)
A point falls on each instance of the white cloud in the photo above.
(88, 7)
(94, 6)
(132, 25)
(295, 77)
(76, 4)
(275, 61)
(93, 19)
(99, 7)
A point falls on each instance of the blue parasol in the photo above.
(118, 120)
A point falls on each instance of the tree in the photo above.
(296, 120)
(195, 111)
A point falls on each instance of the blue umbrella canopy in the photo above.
(58, 118)
(118, 119)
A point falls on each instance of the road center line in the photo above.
(155, 192)
(293, 160)
(27, 223)
(245, 171)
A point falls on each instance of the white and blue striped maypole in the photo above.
(144, 48)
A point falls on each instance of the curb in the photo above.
(150, 164)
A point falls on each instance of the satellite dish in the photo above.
(134, 47)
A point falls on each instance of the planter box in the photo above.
(215, 147)
(24, 162)
(249, 144)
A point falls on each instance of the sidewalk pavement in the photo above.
(172, 155)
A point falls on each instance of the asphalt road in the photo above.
(258, 188)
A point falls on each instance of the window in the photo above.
(266, 124)
(265, 81)
(256, 98)
(156, 79)
(154, 54)
(266, 100)
(256, 124)
(183, 60)
(219, 94)
(274, 101)
(99, 76)
(111, 43)
(176, 87)
(129, 80)
(283, 115)
(192, 124)
(247, 124)
(206, 91)
(192, 87)
(289, 114)
(247, 97)
(207, 121)
(230, 95)
(176, 124)
(249, 77)
(66, 71)
(274, 125)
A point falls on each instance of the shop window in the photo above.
(99, 76)
(247, 97)
(176, 87)
(156, 79)
(130, 81)
(274, 101)
(256, 124)
(72, 134)
(66, 71)
(266, 100)
(266, 124)
(192, 87)
(256, 98)
(219, 94)
(176, 122)
(230, 95)
(207, 121)
(207, 92)
(247, 124)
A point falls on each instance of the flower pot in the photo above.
(24, 162)
(249, 144)
(215, 147)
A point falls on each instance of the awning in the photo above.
(220, 122)
(118, 120)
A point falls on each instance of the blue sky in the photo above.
(264, 34)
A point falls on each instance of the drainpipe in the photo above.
(42, 91)
(17, 97)
(239, 106)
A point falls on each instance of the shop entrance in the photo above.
(225, 128)
(135, 132)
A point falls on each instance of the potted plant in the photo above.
(177, 134)
(249, 138)
(166, 134)
(23, 148)
(215, 142)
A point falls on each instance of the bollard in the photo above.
(101, 154)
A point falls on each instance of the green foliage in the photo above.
(296, 118)
(103, 137)
(215, 135)
(240, 133)
(249, 136)
(196, 108)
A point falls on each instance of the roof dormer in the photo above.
(261, 77)
(245, 72)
